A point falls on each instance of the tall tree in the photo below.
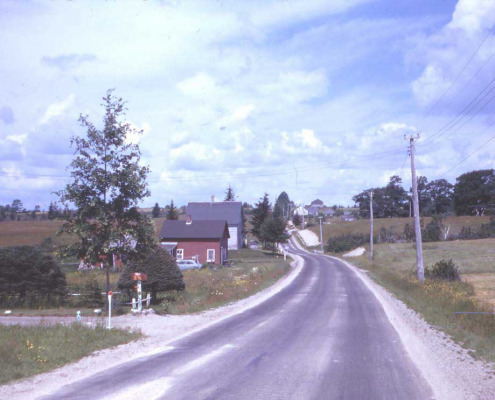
(172, 212)
(282, 204)
(229, 194)
(474, 193)
(155, 213)
(107, 185)
(17, 206)
(260, 213)
(441, 195)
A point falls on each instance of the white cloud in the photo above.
(57, 109)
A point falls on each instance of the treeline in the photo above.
(472, 194)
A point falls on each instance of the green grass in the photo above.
(26, 351)
(396, 225)
(251, 272)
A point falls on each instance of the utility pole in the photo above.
(371, 225)
(417, 226)
(321, 234)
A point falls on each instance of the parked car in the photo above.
(187, 264)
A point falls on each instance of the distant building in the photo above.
(301, 211)
(231, 211)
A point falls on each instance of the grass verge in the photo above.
(251, 272)
(26, 351)
(438, 301)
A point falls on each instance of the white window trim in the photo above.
(208, 259)
(180, 254)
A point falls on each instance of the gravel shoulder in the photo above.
(160, 331)
(451, 372)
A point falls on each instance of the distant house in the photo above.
(301, 211)
(317, 203)
(312, 210)
(327, 211)
(348, 216)
(204, 241)
(230, 211)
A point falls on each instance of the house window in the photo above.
(210, 255)
(180, 254)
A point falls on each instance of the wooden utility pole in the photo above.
(417, 226)
(371, 225)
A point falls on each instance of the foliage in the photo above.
(432, 232)
(272, 230)
(163, 273)
(229, 194)
(474, 193)
(259, 214)
(389, 201)
(92, 294)
(346, 242)
(172, 212)
(296, 219)
(27, 271)
(107, 184)
(155, 213)
(443, 269)
(282, 205)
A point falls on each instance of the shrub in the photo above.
(433, 230)
(91, 295)
(444, 270)
(31, 275)
(346, 242)
(163, 273)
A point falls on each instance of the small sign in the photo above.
(139, 276)
(110, 293)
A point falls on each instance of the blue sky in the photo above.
(312, 97)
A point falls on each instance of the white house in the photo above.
(301, 210)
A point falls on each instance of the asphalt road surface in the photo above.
(325, 336)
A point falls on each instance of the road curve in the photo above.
(325, 336)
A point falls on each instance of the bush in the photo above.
(346, 242)
(162, 270)
(30, 276)
(443, 270)
(433, 230)
(91, 295)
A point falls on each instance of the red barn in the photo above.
(205, 241)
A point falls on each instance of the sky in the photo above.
(311, 97)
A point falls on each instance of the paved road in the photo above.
(325, 336)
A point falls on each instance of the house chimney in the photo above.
(212, 199)
(188, 219)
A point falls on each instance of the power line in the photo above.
(457, 76)
(469, 155)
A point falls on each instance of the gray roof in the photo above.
(221, 210)
(175, 229)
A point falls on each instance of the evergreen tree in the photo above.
(260, 213)
(273, 230)
(282, 205)
(155, 213)
(107, 185)
(172, 212)
(229, 194)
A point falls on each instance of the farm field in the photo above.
(475, 258)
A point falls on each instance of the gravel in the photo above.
(309, 238)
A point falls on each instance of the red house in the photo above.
(205, 241)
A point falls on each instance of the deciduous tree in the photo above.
(108, 182)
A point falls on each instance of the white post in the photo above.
(148, 300)
(133, 303)
(321, 236)
(110, 310)
(140, 296)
